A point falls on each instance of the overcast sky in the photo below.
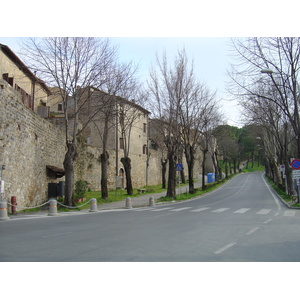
(143, 29)
(210, 55)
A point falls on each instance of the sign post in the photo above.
(179, 168)
(295, 164)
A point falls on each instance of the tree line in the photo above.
(264, 79)
(184, 112)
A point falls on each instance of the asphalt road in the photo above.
(241, 221)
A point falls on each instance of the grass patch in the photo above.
(288, 199)
(254, 169)
(198, 192)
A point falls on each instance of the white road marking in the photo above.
(241, 211)
(268, 221)
(58, 234)
(263, 211)
(144, 208)
(179, 209)
(159, 209)
(289, 213)
(200, 209)
(224, 248)
(220, 210)
(252, 230)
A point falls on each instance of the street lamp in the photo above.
(266, 71)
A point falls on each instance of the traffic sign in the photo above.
(295, 164)
(296, 174)
(179, 167)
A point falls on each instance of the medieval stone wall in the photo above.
(27, 144)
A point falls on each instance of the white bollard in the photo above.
(52, 208)
(128, 203)
(151, 201)
(93, 205)
(3, 211)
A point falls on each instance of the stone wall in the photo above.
(27, 144)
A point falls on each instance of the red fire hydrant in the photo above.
(13, 201)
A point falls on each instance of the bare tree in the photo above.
(197, 115)
(120, 81)
(68, 63)
(272, 62)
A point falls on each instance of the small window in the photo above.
(145, 149)
(145, 127)
(59, 107)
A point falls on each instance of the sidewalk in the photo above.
(142, 200)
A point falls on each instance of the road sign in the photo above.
(295, 164)
(179, 167)
(296, 174)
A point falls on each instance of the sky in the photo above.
(143, 29)
(210, 56)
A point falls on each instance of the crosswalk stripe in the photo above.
(159, 209)
(289, 213)
(144, 208)
(179, 209)
(220, 209)
(200, 209)
(241, 211)
(263, 211)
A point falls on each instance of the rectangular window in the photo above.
(59, 107)
(145, 127)
(145, 149)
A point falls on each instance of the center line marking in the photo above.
(252, 230)
(224, 248)
(58, 234)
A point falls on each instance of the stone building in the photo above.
(34, 92)
(33, 146)
(99, 118)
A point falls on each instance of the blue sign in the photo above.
(295, 164)
(179, 167)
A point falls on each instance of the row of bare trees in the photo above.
(184, 110)
(265, 79)
(70, 63)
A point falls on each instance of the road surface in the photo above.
(241, 221)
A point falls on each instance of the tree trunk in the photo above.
(104, 167)
(190, 158)
(163, 172)
(69, 173)
(171, 191)
(126, 161)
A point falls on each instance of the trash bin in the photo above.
(210, 177)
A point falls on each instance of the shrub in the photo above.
(81, 187)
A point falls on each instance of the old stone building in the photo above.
(34, 91)
(32, 137)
